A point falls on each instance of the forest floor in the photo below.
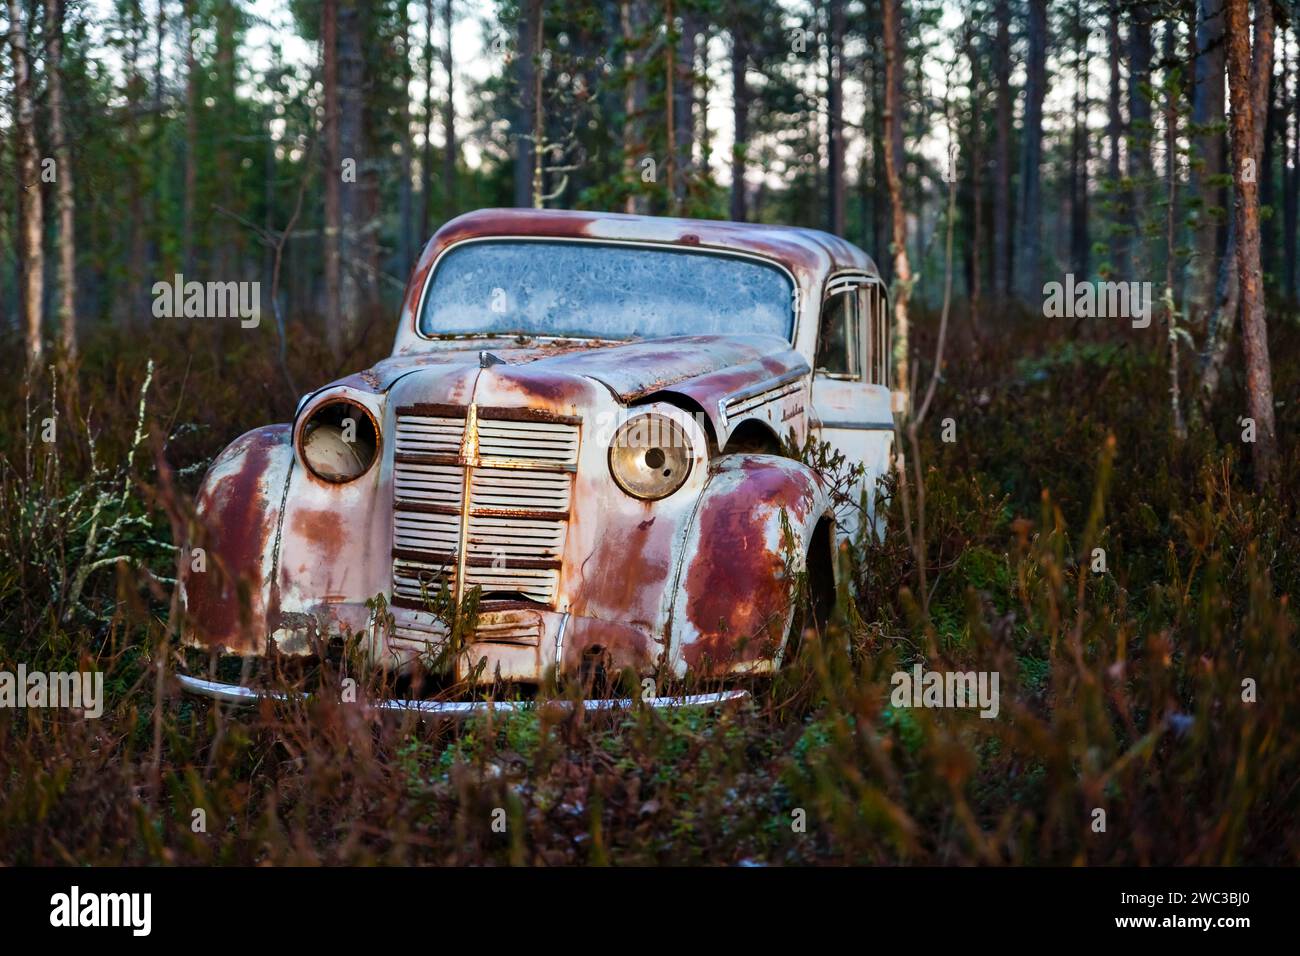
(1160, 690)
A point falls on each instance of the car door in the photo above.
(850, 391)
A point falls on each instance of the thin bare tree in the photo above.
(1245, 98)
(329, 72)
(1227, 294)
(191, 139)
(893, 129)
(835, 119)
(1171, 219)
(30, 253)
(66, 202)
(1002, 153)
(670, 127)
(526, 61)
(426, 152)
(1207, 144)
(1121, 252)
(405, 198)
(630, 18)
(1028, 287)
(740, 99)
(448, 120)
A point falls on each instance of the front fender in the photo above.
(291, 558)
(734, 600)
(226, 589)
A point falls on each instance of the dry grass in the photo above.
(1120, 691)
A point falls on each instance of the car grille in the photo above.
(517, 467)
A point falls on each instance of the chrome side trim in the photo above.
(559, 641)
(861, 426)
(767, 385)
(243, 696)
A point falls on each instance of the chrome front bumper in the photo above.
(235, 694)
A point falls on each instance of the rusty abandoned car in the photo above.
(586, 426)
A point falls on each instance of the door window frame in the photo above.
(853, 346)
(871, 357)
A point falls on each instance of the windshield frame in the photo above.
(685, 249)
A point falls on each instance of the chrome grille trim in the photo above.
(516, 466)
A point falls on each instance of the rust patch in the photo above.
(535, 384)
(529, 414)
(323, 529)
(630, 571)
(736, 597)
(526, 222)
(625, 645)
(237, 534)
(433, 410)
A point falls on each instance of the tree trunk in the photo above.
(523, 131)
(229, 151)
(134, 300)
(191, 140)
(1080, 244)
(1290, 183)
(406, 211)
(975, 150)
(1121, 244)
(356, 240)
(739, 121)
(1171, 218)
(450, 198)
(160, 31)
(1028, 288)
(1139, 127)
(162, 153)
(539, 108)
(30, 251)
(835, 121)
(702, 119)
(629, 104)
(63, 168)
(684, 107)
(333, 159)
(1207, 150)
(893, 161)
(1002, 157)
(426, 153)
(1228, 286)
(670, 127)
(1246, 95)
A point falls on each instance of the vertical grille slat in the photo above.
(518, 515)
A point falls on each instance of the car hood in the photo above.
(706, 366)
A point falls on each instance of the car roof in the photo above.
(809, 253)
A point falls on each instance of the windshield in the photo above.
(594, 290)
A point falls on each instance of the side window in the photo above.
(875, 331)
(836, 352)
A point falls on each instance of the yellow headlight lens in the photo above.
(650, 456)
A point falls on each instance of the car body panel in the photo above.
(696, 582)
